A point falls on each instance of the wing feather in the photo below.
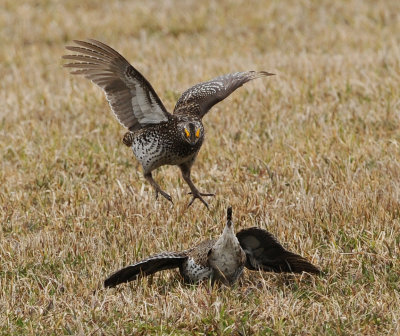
(151, 265)
(199, 99)
(132, 99)
(264, 252)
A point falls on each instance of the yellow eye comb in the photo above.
(187, 133)
(198, 133)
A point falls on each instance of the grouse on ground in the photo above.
(221, 259)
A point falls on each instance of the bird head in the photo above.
(191, 131)
(229, 230)
(229, 216)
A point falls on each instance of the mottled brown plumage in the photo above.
(221, 259)
(156, 137)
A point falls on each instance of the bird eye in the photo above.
(187, 132)
(198, 133)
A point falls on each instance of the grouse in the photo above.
(156, 136)
(221, 259)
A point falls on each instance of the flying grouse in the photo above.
(156, 136)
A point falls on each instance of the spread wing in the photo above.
(153, 264)
(265, 253)
(200, 98)
(132, 99)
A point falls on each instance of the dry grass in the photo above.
(311, 154)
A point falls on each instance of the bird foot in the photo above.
(164, 194)
(198, 195)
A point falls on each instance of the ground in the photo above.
(311, 154)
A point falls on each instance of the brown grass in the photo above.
(311, 154)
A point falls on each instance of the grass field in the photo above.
(311, 154)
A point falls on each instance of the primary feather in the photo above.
(131, 97)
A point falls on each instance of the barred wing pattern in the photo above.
(201, 97)
(132, 98)
(265, 253)
(148, 266)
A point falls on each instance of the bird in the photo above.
(221, 260)
(156, 136)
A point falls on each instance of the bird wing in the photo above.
(153, 264)
(265, 253)
(200, 98)
(132, 98)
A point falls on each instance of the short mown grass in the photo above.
(312, 155)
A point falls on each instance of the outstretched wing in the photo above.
(132, 99)
(153, 264)
(264, 252)
(200, 98)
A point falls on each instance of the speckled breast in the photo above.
(162, 146)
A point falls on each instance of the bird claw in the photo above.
(164, 194)
(201, 199)
(198, 195)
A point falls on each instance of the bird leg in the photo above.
(156, 187)
(194, 192)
